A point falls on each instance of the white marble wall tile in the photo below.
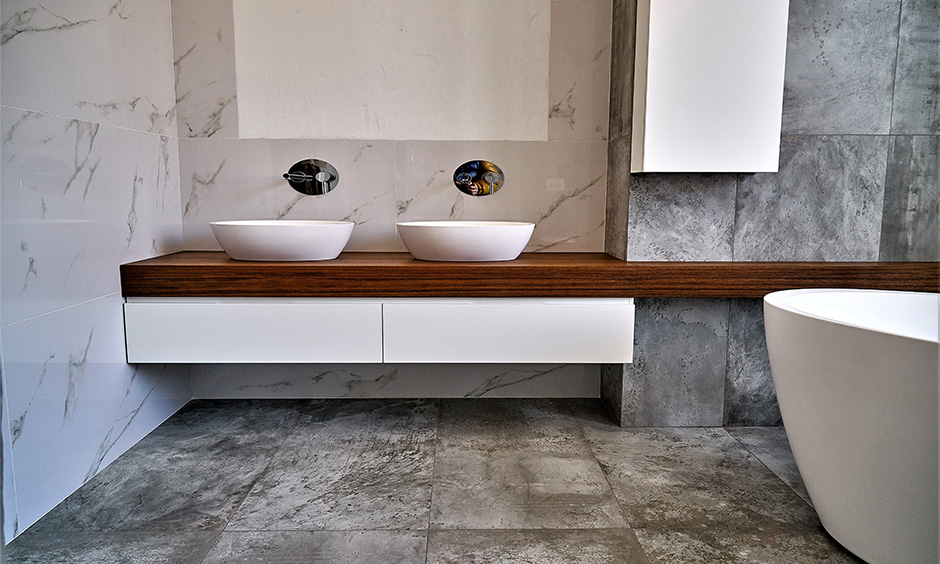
(78, 199)
(234, 381)
(104, 61)
(825, 204)
(560, 186)
(10, 517)
(242, 179)
(681, 217)
(204, 61)
(74, 403)
(579, 70)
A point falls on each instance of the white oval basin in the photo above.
(282, 239)
(465, 241)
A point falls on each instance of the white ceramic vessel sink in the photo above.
(470, 241)
(282, 239)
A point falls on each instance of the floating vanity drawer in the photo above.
(245, 330)
(509, 330)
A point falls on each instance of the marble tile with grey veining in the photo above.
(825, 203)
(578, 76)
(119, 68)
(719, 545)
(204, 64)
(679, 361)
(771, 447)
(623, 46)
(681, 217)
(189, 474)
(619, 182)
(348, 465)
(519, 464)
(560, 186)
(917, 83)
(394, 380)
(323, 547)
(585, 546)
(692, 478)
(910, 228)
(750, 396)
(839, 76)
(109, 548)
(242, 179)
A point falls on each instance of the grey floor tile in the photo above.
(328, 547)
(109, 548)
(693, 478)
(771, 447)
(363, 465)
(517, 464)
(597, 546)
(716, 545)
(190, 474)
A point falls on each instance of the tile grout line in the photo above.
(771, 470)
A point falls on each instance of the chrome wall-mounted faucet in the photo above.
(312, 177)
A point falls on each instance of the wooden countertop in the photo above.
(385, 275)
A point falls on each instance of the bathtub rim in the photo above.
(779, 299)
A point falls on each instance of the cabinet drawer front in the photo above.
(261, 332)
(593, 332)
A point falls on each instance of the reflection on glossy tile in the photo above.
(750, 397)
(676, 478)
(770, 545)
(326, 547)
(522, 464)
(73, 402)
(823, 205)
(362, 465)
(840, 66)
(910, 228)
(917, 86)
(189, 474)
(680, 356)
(681, 217)
(118, 71)
(110, 548)
(598, 546)
(771, 447)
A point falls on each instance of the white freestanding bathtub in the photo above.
(856, 375)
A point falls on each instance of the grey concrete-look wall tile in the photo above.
(189, 474)
(349, 465)
(680, 351)
(109, 548)
(325, 547)
(623, 44)
(517, 464)
(692, 478)
(750, 397)
(917, 85)
(681, 217)
(840, 66)
(612, 377)
(824, 204)
(910, 228)
(601, 546)
(618, 197)
(770, 446)
(772, 545)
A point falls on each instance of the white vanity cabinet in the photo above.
(371, 330)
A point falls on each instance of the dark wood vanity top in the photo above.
(387, 275)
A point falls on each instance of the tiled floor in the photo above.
(435, 481)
